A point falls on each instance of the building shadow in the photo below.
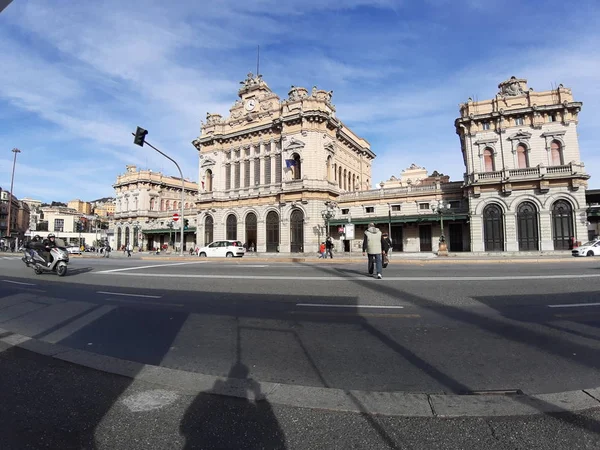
(246, 421)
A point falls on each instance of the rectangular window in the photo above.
(423, 206)
(237, 175)
(345, 211)
(237, 153)
(256, 172)
(395, 207)
(59, 225)
(486, 126)
(278, 168)
(267, 147)
(551, 118)
(369, 209)
(229, 154)
(228, 177)
(268, 170)
(246, 173)
(454, 204)
(519, 120)
(247, 151)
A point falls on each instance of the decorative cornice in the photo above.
(519, 135)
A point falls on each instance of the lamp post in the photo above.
(441, 208)
(328, 214)
(12, 180)
(170, 225)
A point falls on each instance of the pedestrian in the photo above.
(329, 247)
(386, 249)
(129, 248)
(372, 247)
(322, 250)
(107, 251)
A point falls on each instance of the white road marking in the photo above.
(150, 400)
(19, 282)
(129, 295)
(150, 267)
(350, 278)
(323, 305)
(143, 302)
(573, 305)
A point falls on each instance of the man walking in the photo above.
(329, 247)
(372, 246)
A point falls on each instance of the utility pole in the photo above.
(140, 139)
(10, 195)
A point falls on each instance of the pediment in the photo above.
(295, 144)
(208, 162)
(486, 141)
(520, 135)
(330, 147)
(554, 133)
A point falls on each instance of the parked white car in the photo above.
(591, 248)
(222, 249)
(73, 250)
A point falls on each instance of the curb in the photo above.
(367, 402)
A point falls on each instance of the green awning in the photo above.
(167, 230)
(399, 219)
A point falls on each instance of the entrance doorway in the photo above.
(562, 224)
(425, 238)
(527, 227)
(251, 228)
(208, 230)
(297, 231)
(396, 237)
(456, 237)
(493, 229)
(272, 225)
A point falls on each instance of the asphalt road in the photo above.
(50, 404)
(430, 328)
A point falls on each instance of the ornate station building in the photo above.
(269, 169)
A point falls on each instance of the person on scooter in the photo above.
(49, 244)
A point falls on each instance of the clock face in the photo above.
(250, 104)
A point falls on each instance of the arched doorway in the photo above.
(493, 228)
(119, 238)
(231, 228)
(208, 230)
(527, 227)
(272, 224)
(127, 236)
(297, 166)
(251, 228)
(562, 224)
(297, 231)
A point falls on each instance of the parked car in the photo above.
(223, 249)
(74, 250)
(591, 248)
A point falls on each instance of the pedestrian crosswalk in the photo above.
(10, 257)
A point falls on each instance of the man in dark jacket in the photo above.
(372, 246)
(386, 246)
(49, 243)
(329, 247)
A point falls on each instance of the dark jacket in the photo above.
(48, 244)
(329, 244)
(386, 244)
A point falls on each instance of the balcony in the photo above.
(564, 171)
(403, 191)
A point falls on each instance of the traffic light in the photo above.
(140, 135)
(185, 224)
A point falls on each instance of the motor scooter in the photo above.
(58, 263)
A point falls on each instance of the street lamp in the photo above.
(328, 214)
(441, 208)
(171, 225)
(12, 179)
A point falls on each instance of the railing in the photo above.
(490, 175)
(559, 169)
(524, 172)
(394, 192)
(528, 172)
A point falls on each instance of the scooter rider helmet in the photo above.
(51, 236)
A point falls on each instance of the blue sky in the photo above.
(76, 78)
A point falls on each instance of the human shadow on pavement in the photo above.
(215, 422)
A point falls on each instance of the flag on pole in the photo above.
(289, 163)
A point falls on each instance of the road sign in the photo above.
(175, 217)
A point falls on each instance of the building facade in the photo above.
(144, 207)
(9, 201)
(105, 209)
(524, 180)
(80, 206)
(270, 168)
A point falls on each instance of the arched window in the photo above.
(353, 182)
(119, 238)
(345, 187)
(329, 168)
(208, 179)
(126, 235)
(208, 230)
(168, 205)
(523, 161)
(231, 227)
(251, 230)
(557, 154)
(349, 181)
(297, 169)
(335, 177)
(272, 232)
(488, 160)
(297, 231)
(162, 205)
(340, 177)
